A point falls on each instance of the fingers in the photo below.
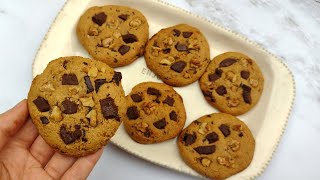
(11, 121)
(58, 165)
(83, 166)
(41, 151)
(26, 136)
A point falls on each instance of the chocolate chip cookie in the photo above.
(217, 145)
(179, 55)
(233, 83)
(155, 113)
(113, 34)
(77, 104)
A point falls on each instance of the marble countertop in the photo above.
(287, 28)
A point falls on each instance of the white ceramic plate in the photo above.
(267, 120)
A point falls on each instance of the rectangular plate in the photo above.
(267, 120)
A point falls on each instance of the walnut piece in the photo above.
(141, 126)
(193, 44)
(87, 102)
(92, 115)
(47, 87)
(56, 114)
(102, 69)
(237, 127)
(167, 61)
(253, 82)
(195, 63)
(117, 34)
(113, 23)
(234, 145)
(93, 72)
(168, 41)
(203, 128)
(226, 161)
(135, 23)
(230, 75)
(186, 75)
(243, 62)
(107, 42)
(148, 107)
(155, 51)
(233, 102)
(93, 31)
(205, 162)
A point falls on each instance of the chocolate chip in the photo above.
(178, 66)
(153, 91)
(99, 18)
(98, 83)
(69, 79)
(240, 134)
(132, 112)
(225, 130)
(129, 38)
(161, 124)
(227, 62)
(176, 32)
(123, 49)
(208, 95)
(166, 51)
(181, 47)
(109, 109)
(246, 94)
(216, 75)
(173, 116)
(189, 138)
(44, 120)
(221, 90)
(117, 76)
(206, 149)
(147, 133)
(136, 98)
(245, 74)
(69, 107)
(88, 83)
(169, 101)
(42, 104)
(187, 34)
(212, 137)
(69, 137)
(123, 16)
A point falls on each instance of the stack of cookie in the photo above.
(77, 103)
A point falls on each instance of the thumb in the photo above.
(11, 121)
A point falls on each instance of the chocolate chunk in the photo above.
(189, 138)
(178, 66)
(246, 94)
(123, 16)
(123, 49)
(187, 34)
(227, 62)
(208, 95)
(240, 134)
(169, 101)
(181, 47)
(147, 133)
(42, 104)
(109, 109)
(245, 74)
(153, 91)
(216, 75)
(44, 120)
(205, 149)
(69, 107)
(69, 79)
(212, 137)
(225, 130)
(98, 83)
(166, 51)
(161, 124)
(221, 90)
(129, 38)
(99, 18)
(132, 112)
(176, 32)
(136, 98)
(69, 137)
(88, 83)
(117, 76)
(173, 116)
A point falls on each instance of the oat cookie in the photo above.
(232, 83)
(155, 113)
(179, 55)
(217, 145)
(113, 34)
(77, 104)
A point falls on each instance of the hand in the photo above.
(25, 155)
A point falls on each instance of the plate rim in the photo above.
(213, 24)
